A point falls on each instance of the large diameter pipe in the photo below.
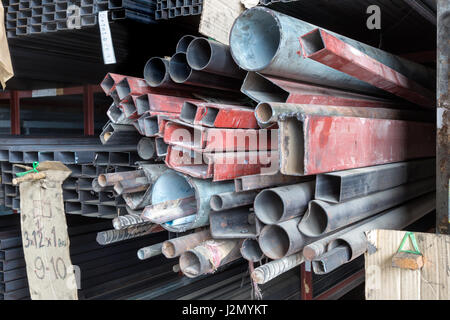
(175, 247)
(276, 205)
(208, 256)
(323, 217)
(184, 43)
(110, 179)
(269, 112)
(173, 186)
(181, 72)
(149, 252)
(273, 269)
(350, 245)
(230, 200)
(279, 240)
(266, 41)
(213, 57)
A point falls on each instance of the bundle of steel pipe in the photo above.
(169, 9)
(40, 16)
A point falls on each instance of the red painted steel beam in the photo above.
(322, 47)
(319, 144)
(164, 103)
(225, 116)
(88, 110)
(306, 292)
(14, 104)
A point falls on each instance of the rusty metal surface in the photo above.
(319, 144)
(443, 119)
(232, 224)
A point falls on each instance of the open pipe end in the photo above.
(142, 104)
(184, 43)
(129, 108)
(312, 42)
(188, 112)
(156, 71)
(107, 84)
(179, 69)
(274, 242)
(216, 203)
(315, 221)
(190, 264)
(251, 251)
(151, 127)
(168, 250)
(123, 89)
(255, 39)
(199, 53)
(264, 112)
(141, 254)
(269, 207)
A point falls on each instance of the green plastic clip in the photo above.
(35, 165)
(411, 236)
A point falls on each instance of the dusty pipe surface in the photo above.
(323, 217)
(173, 186)
(229, 200)
(150, 251)
(146, 148)
(208, 256)
(273, 269)
(214, 57)
(268, 112)
(251, 251)
(268, 42)
(175, 247)
(131, 186)
(284, 203)
(279, 240)
(170, 210)
(110, 179)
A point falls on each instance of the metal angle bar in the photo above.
(345, 185)
(353, 142)
(322, 47)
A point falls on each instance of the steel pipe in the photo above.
(273, 269)
(276, 205)
(149, 252)
(231, 200)
(280, 240)
(267, 41)
(251, 251)
(213, 57)
(170, 210)
(208, 256)
(146, 148)
(156, 73)
(131, 186)
(180, 72)
(110, 179)
(255, 182)
(323, 217)
(175, 247)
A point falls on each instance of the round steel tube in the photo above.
(150, 251)
(156, 72)
(232, 200)
(110, 179)
(323, 217)
(213, 57)
(184, 43)
(279, 240)
(175, 247)
(266, 41)
(283, 203)
(251, 251)
(181, 72)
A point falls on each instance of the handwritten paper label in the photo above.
(45, 239)
(109, 56)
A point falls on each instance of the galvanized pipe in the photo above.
(273, 269)
(231, 200)
(251, 251)
(323, 217)
(267, 41)
(280, 240)
(208, 256)
(213, 57)
(175, 247)
(181, 72)
(269, 112)
(110, 179)
(276, 205)
(149, 252)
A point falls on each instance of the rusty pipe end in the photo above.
(274, 242)
(168, 249)
(251, 251)
(264, 113)
(269, 206)
(193, 264)
(315, 221)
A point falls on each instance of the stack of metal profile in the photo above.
(25, 17)
(86, 157)
(168, 9)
